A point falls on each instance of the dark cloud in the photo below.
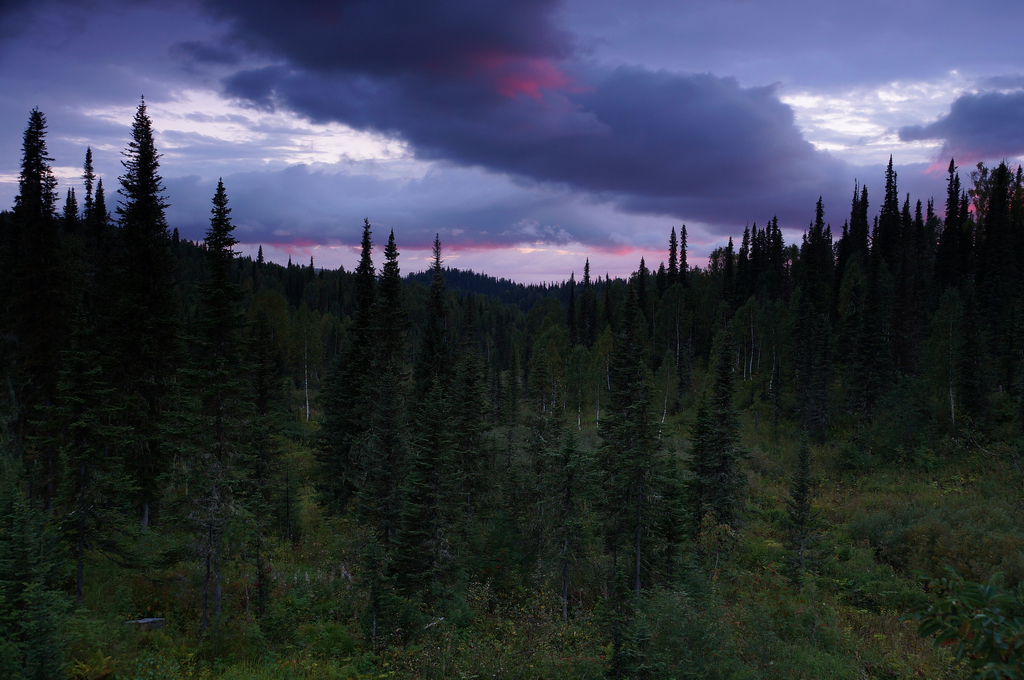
(203, 53)
(694, 145)
(981, 126)
(387, 37)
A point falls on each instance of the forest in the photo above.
(804, 460)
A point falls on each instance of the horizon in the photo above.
(529, 136)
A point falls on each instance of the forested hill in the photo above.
(524, 296)
(738, 471)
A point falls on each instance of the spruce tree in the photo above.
(682, 256)
(94, 484)
(147, 310)
(36, 296)
(470, 447)
(433, 363)
(716, 483)
(33, 610)
(587, 309)
(568, 488)
(344, 399)
(70, 216)
(673, 258)
(384, 448)
(89, 177)
(221, 445)
(799, 517)
(813, 339)
(570, 312)
(629, 440)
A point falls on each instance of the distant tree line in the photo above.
(470, 427)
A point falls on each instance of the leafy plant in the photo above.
(973, 617)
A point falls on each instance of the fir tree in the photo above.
(570, 312)
(716, 483)
(682, 256)
(673, 258)
(218, 468)
(568, 486)
(799, 517)
(344, 399)
(70, 216)
(629, 439)
(36, 292)
(434, 361)
(33, 610)
(89, 177)
(94, 484)
(147, 310)
(587, 309)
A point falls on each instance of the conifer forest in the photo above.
(802, 460)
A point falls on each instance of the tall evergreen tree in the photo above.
(36, 297)
(344, 399)
(434, 361)
(70, 216)
(673, 258)
(32, 607)
(799, 517)
(570, 312)
(89, 177)
(629, 440)
(716, 484)
(147, 310)
(813, 340)
(587, 309)
(94, 485)
(682, 256)
(218, 466)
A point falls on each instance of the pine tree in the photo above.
(70, 216)
(570, 313)
(716, 483)
(221, 447)
(147, 310)
(682, 256)
(94, 483)
(588, 309)
(33, 610)
(887, 239)
(36, 294)
(89, 177)
(629, 439)
(100, 217)
(470, 448)
(813, 339)
(568, 486)
(425, 556)
(270, 502)
(384, 448)
(673, 259)
(799, 517)
(344, 399)
(434, 361)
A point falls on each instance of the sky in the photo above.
(530, 135)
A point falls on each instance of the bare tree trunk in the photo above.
(305, 370)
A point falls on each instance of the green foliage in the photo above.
(33, 610)
(982, 620)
